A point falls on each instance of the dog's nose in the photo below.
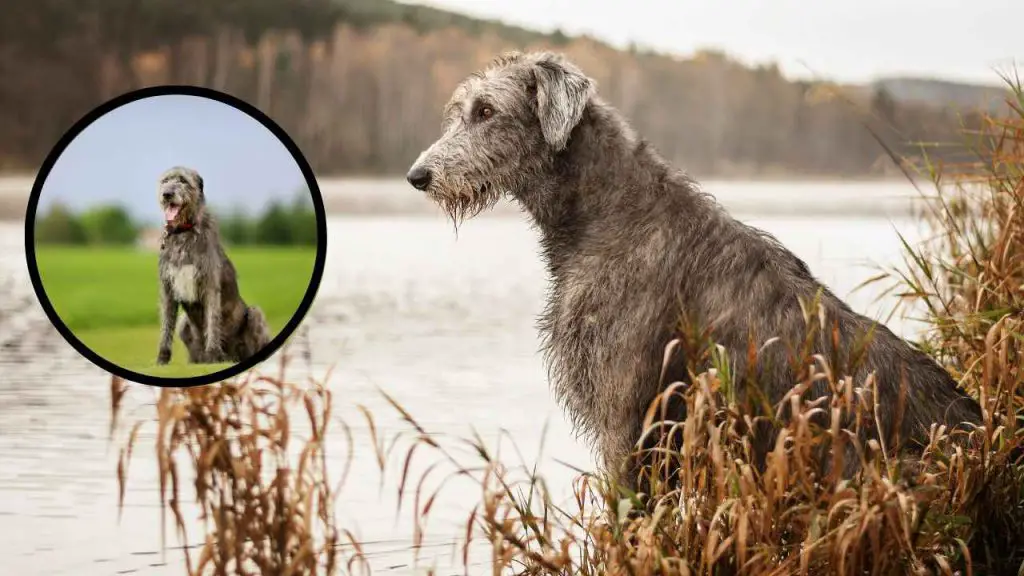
(419, 178)
(167, 195)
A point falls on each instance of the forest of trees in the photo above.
(278, 224)
(98, 226)
(359, 84)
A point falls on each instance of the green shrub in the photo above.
(108, 225)
(274, 227)
(237, 228)
(59, 226)
(303, 220)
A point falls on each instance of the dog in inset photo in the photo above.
(197, 276)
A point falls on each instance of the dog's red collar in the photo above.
(172, 229)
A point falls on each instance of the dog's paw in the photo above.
(163, 358)
(213, 355)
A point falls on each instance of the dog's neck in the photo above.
(605, 170)
(178, 228)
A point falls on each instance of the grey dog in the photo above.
(631, 245)
(197, 276)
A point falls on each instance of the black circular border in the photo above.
(318, 208)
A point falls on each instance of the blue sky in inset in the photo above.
(118, 158)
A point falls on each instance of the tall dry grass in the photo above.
(242, 468)
(958, 509)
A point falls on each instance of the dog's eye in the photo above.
(485, 112)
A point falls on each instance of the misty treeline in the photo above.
(278, 224)
(359, 84)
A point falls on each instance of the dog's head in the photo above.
(180, 194)
(500, 128)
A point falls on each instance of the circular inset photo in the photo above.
(175, 236)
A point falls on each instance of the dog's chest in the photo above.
(180, 271)
(580, 308)
(601, 303)
(184, 282)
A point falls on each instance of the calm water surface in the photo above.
(443, 323)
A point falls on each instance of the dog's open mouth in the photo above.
(171, 212)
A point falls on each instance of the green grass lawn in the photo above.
(109, 298)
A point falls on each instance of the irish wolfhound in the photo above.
(628, 240)
(197, 275)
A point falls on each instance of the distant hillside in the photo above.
(944, 93)
(427, 19)
(927, 91)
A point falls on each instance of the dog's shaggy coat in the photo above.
(197, 276)
(631, 244)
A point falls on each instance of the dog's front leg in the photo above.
(168, 315)
(212, 328)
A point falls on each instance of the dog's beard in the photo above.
(460, 199)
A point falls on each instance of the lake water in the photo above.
(443, 323)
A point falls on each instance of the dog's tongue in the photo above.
(171, 212)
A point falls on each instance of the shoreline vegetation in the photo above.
(360, 84)
(954, 510)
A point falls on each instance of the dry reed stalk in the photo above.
(253, 451)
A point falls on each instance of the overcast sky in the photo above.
(119, 157)
(847, 40)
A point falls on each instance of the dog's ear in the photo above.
(199, 186)
(563, 91)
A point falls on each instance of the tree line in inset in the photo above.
(278, 224)
(359, 84)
